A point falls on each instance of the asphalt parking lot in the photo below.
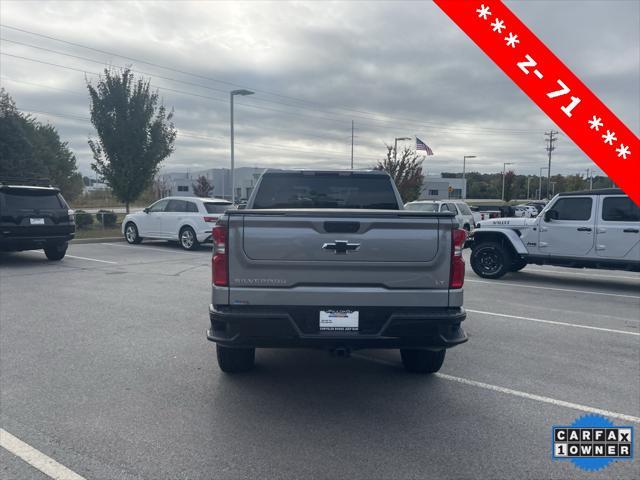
(105, 368)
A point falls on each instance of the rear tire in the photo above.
(490, 260)
(56, 252)
(188, 239)
(235, 360)
(422, 361)
(131, 234)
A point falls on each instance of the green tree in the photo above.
(31, 149)
(406, 172)
(202, 187)
(135, 133)
(60, 161)
(573, 183)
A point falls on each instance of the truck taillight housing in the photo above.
(458, 237)
(220, 260)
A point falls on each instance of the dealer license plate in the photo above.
(338, 320)
(36, 221)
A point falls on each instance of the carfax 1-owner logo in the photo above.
(592, 442)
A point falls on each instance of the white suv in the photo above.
(188, 220)
(463, 214)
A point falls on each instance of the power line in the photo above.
(389, 119)
(243, 105)
(182, 133)
(72, 92)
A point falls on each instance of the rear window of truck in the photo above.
(298, 190)
(31, 200)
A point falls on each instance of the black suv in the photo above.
(35, 217)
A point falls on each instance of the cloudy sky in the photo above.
(395, 68)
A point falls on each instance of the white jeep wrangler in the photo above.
(588, 229)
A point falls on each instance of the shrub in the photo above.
(106, 217)
(83, 219)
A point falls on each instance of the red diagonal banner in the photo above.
(553, 87)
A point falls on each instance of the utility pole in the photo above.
(550, 148)
(351, 144)
(528, 182)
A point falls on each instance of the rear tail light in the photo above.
(458, 237)
(210, 219)
(220, 260)
(72, 216)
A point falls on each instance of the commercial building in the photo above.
(181, 183)
(434, 187)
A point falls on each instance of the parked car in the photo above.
(587, 229)
(523, 211)
(35, 217)
(459, 208)
(188, 220)
(484, 212)
(539, 206)
(331, 260)
(529, 211)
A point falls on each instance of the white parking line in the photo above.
(36, 458)
(497, 283)
(553, 322)
(91, 259)
(81, 258)
(518, 393)
(588, 275)
(154, 247)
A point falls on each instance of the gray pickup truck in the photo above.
(330, 260)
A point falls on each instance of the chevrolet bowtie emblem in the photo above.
(341, 247)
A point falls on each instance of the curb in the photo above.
(96, 240)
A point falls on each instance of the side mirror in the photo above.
(242, 206)
(146, 210)
(550, 215)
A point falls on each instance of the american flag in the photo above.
(420, 145)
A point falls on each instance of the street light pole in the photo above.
(395, 146)
(231, 95)
(528, 183)
(504, 167)
(540, 189)
(464, 168)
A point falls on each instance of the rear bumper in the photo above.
(15, 244)
(274, 327)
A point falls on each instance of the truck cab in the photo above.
(584, 229)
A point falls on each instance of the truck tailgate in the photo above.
(307, 248)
